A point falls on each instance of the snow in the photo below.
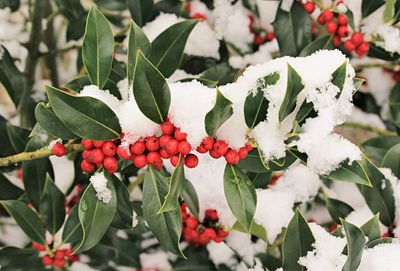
(99, 182)
(157, 260)
(359, 116)
(103, 95)
(286, 5)
(179, 75)
(384, 257)
(135, 220)
(360, 216)
(262, 55)
(64, 172)
(54, 142)
(390, 38)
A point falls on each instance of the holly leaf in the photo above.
(217, 116)
(10, 76)
(324, 42)
(294, 86)
(72, 232)
(338, 209)
(355, 246)
(369, 6)
(141, 10)
(354, 173)
(9, 190)
(189, 195)
(371, 228)
(339, 77)
(392, 160)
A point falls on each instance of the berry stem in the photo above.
(41, 153)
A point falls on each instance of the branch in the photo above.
(366, 127)
(41, 153)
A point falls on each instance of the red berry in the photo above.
(87, 166)
(38, 247)
(214, 154)
(321, 19)
(349, 45)
(174, 160)
(337, 41)
(158, 164)
(270, 36)
(362, 49)
(212, 214)
(309, 7)
(218, 239)
(153, 157)
(274, 179)
(111, 164)
(58, 150)
(184, 147)
(328, 15)
(249, 147)
(179, 135)
(243, 152)
(59, 254)
(191, 161)
(47, 260)
(357, 38)
(222, 233)
(258, 39)
(59, 263)
(331, 27)
(87, 144)
(98, 156)
(385, 235)
(343, 31)
(87, 155)
(140, 161)
(199, 16)
(109, 148)
(201, 149)
(232, 157)
(208, 143)
(164, 154)
(74, 258)
(163, 141)
(167, 128)
(210, 233)
(191, 235)
(192, 222)
(342, 19)
(138, 147)
(123, 153)
(152, 143)
(203, 239)
(98, 143)
(221, 147)
(172, 146)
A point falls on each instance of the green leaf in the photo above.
(26, 219)
(189, 195)
(240, 195)
(137, 39)
(369, 6)
(371, 228)
(306, 110)
(10, 76)
(12, 4)
(357, 82)
(9, 190)
(297, 242)
(165, 226)
(18, 137)
(339, 77)
(388, 12)
(98, 47)
(394, 104)
(294, 86)
(151, 90)
(385, 240)
(256, 230)
(141, 10)
(324, 42)
(355, 246)
(354, 173)
(52, 206)
(376, 148)
(10, 258)
(86, 117)
(378, 52)
(95, 216)
(292, 30)
(338, 209)
(176, 186)
(124, 215)
(220, 113)
(392, 160)
(167, 48)
(49, 121)
(219, 74)
(72, 232)
(256, 105)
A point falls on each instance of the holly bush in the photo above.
(199, 135)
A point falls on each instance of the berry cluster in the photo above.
(200, 234)
(99, 153)
(220, 148)
(260, 35)
(58, 258)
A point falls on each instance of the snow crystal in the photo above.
(241, 243)
(99, 182)
(220, 253)
(124, 89)
(179, 75)
(390, 38)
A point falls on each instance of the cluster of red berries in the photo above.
(58, 258)
(200, 234)
(99, 154)
(260, 35)
(172, 144)
(220, 148)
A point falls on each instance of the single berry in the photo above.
(184, 147)
(192, 222)
(208, 143)
(349, 45)
(214, 154)
(309, 7)
(337, 41)
(331, 27)
(47, 260)
(249, 147)
(167, 128)
(140, 161)
(158, 164)
(111, 164)
(210, 233)
(258, 39)
(203, 239)
(211, 214)
(123, 153)
(98, 156)
(38, 247)
(179, 135)
(87, 155)
(87, 144)
(218, 239)
(191, 161)
(222, 233)
(175, 160)
(138, 147)
(58, 150)
(343, 31)
(191, 235)
(342, 19)
(153, 157)
(59, 255)
(328, 15)
(87, 166)
(232, 157)
(59, 263)
(163, 141)
(362, 49)
(164, 154)
(274, 179)
(152, 143)
(357, 38)
(385, 235)
(199, 16)
(172, 146)
(221, 147)
(109, 148)
(201, 149)
(74, 258)
(270, 36)
(98, 143)
(243, 152)
(321, 19)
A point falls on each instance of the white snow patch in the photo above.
(99, 182)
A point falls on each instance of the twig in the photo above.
(366, 127)
(41, 153)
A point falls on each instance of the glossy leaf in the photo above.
(385, 240)
(256, 230)
(338, 209)
(339, 77)
(86, 117)
(240, 195)
(124, 214)
(217, 116)
(9, 190)
(98, 47)
(369, 6)
(165, 226)
(72, 232)
(141, 10)
(52, 206)
(324, 42)
(10, 258)
(151, 90)
(355, 246)
(189, 195)
(167, 48)
(371, 229)
(354, 173)
(297, 242)
(392, 160)
(394, 104)
(18, 137)
(376, 147)
(26, 219)
(306, 110)
(294, 86)
(10, 76)
(95, 216)
(388, 12)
